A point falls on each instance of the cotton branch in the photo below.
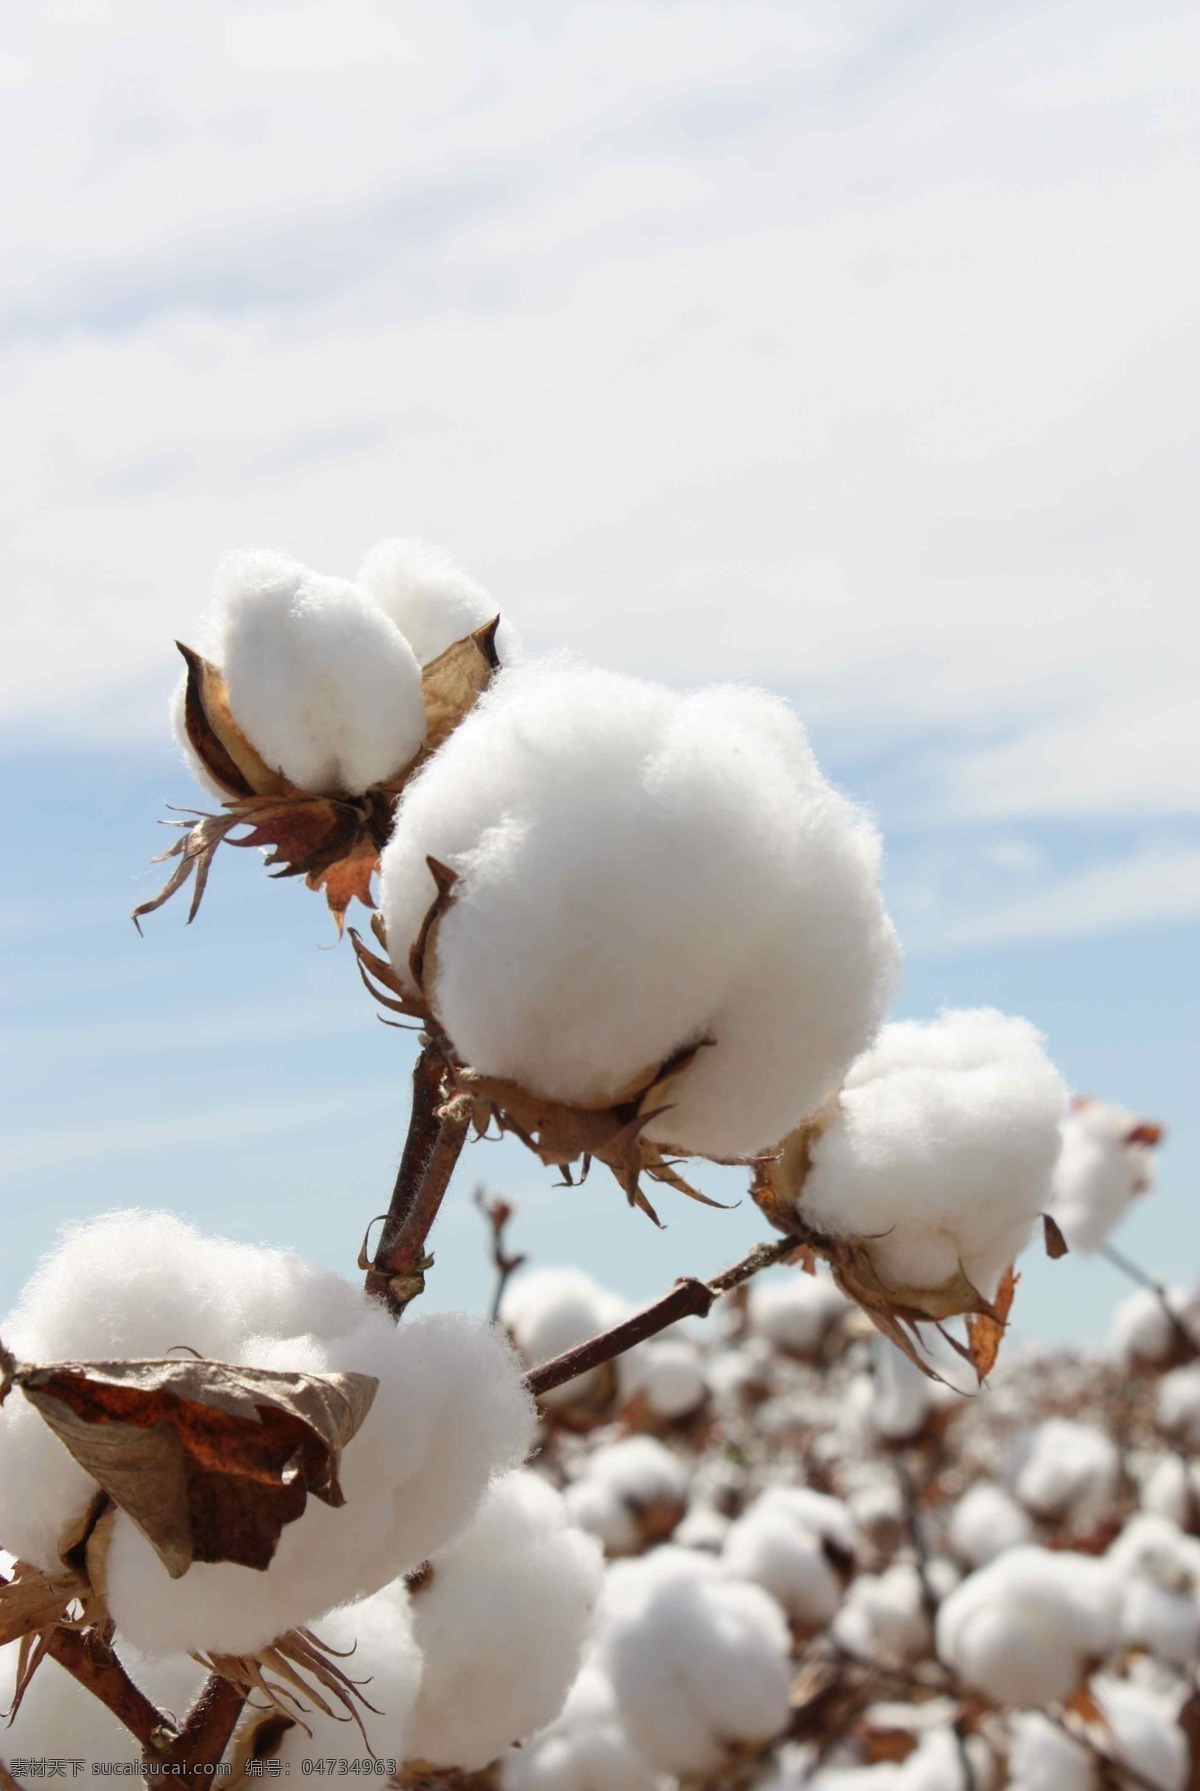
(435, 1139)
(688, 1298)
(208, 1727)
(91, 1660)
(498, 1212)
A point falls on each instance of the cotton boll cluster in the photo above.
(797, 1313)
(631, 1493)
(1068, 1466)
(1107, 1162)
(1024, 1628)
(609, 837)
(799, 1546)
(501, 1622)
(941, 1149)
(699, 1663)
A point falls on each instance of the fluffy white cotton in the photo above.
(884, 1618)
(1178, 1405)
(550, 1310)
(1158, 1571)
(630, 1493)
(1146, 1731)
(1107, 1161)
(799, 1546)
(1173, 1490)
(796, 1312)
(60, 1719)
(1023, 1628)
(429, 597)
(1042, 1758)
(1067, 1465)
(319, 678)
(451, 1411)
(986, 1521)
(699, 1663)
(585, 1749)
(639, 871)
(942, 1148)
(139, 1284)
(1143, 1334)
(501, 1625)
(376, 1636)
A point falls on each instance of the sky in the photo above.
(847, 349)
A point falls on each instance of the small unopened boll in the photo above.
(638, 873)
(501, 1623)
(631, 1494)
(450, 1412)
(320, 680)
(699, 1663)
(1107, 1161)
(799, 1546)
(986, 1521)
(941, 1149)
(1068, 1466)
(797, 1312)
(429, 597)
(1023, 1629)
(585, 1749)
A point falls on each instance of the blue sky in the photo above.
(847, 349)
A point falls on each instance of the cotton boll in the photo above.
(1042, 1758)
(884, 1618)
(986, 1521)
(631, 1493)
(450, 1412)
(585, 1749)
(1173, 1490)
(1107, 1161)
(1158, 1570)
(550, 1310)
(942, 1148)
(1147, 1732)
(797, 1545)
(320, 680)
(1178, 1405)
(666, 1377)
(639, 871)
(432, 601)
(699, 1664)
(1023, 1628)
(797, 1312)
(501, 1625)
(386, 1664)
(1143, 1334)
(1067, 1465)
(937, 1765)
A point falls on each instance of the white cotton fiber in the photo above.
(1158, 1570)
(320, 680)
(432, 601)
(630, 1493)
(942, 1149)
(1107, 1161)
(666, 1375)
(1022, 1629)
(501, 1625)
(382, 1657)
(796, 1312)
(1042, 1758)
(550, 1310)
(1178, 1405)
(699, 1663)
(1143, 1334)
(884, 1617)
(585, 1749)
(1145, 1731)
(799, 1546)
(639, 871)
(1066, 1465)
(139, 1284)
(901, 1396)
(986, 1521)
(451, 1411)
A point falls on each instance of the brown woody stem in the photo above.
(208, 1728)
(431, 1150)
(89, 1659)
(688, 1298)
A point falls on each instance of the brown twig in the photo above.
(91, 1660)
(436, 1135)
(498, 1212)
(208, 1728)
(688, 1298)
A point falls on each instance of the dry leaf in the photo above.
(210, 1461)
(303, 1666)
(1056, 1243)
(32, 1600)
(985, 1330)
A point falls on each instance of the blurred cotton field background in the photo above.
(848, 350)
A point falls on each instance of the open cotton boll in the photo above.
(1178, 1405)
(1023, 1628)
(1147, 1732)
(884, 1618)
(1107, 1161)
(639, 871)
(1172, 1489)
(631, 1493)
(138, 1284)
(450, 1412)
(386, 1664)
(797, 1545)
(1158, 1571)
(501, 1624)
(666, 1376)
(429, 597)
(941, 1149)
(1042, 1758)
(585, 1749)
(986, 1521)
(550, 1310)
(1067, 1465)
(320, 680)
(1143, 1334)
(796, 1312)
(699, 1663)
